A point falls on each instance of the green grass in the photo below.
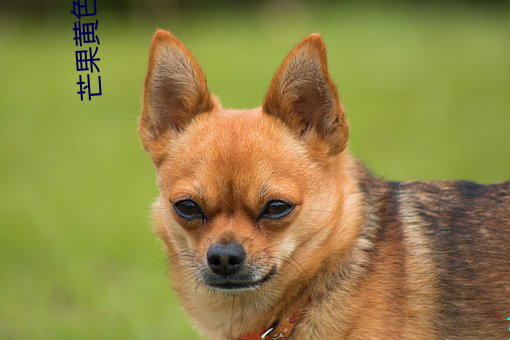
(427, 96)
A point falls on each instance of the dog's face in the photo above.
(246, 196)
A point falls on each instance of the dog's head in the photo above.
(246, 196)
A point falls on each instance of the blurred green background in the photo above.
(427, 92)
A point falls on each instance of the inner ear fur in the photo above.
(305, 98)
(175, 89)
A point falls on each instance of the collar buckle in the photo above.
(266, 333)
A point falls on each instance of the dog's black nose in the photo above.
(226, 259)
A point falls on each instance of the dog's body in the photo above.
(267, 219)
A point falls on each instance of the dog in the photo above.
(273, 230)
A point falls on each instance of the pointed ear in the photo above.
(175, 88)
(305, 98)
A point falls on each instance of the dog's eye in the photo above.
(275, 210)
(188, 210)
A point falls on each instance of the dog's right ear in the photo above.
(175, 89)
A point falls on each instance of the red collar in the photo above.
(278, 330)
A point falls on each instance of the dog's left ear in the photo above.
(305, 98)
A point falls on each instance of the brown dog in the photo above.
(272, 228)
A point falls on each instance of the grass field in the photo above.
(427, 94)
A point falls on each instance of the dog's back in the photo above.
(446, 244)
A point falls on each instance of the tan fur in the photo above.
(355, 255)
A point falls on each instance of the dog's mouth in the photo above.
(237, 284)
